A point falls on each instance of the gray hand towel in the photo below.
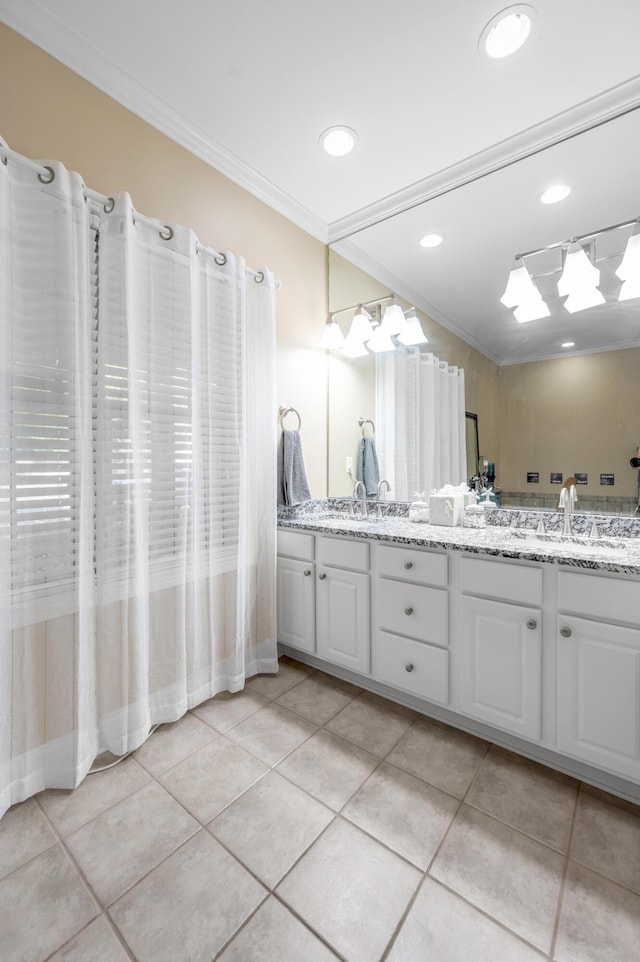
(368, 470)
(292, 477)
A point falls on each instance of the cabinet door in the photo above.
(342, 617)
(498, 659)
(296, 604)
(599, 694)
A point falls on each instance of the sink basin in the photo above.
(345, 519)
(581, 545)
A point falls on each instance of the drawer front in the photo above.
(519, 584)
(412, 666)
(606, 598)
(342, 553)
(413, 610)
(411, 565)
(295, 544)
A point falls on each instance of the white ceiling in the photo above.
(449, 141)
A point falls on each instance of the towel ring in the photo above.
(289, 410)
(363, 422)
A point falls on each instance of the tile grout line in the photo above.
(563, 882)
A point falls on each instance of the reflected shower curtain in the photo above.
(420, 414)
(137, 467)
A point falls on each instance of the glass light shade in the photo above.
(393, 321)
(520, 288)
(582, 299)
(361, 328)
(629, 289)
(380, 342)
(332, 336)
(629, 269)
(354, 347)
(578, 273)
(531, 310)
(413, 333)
(507, 35)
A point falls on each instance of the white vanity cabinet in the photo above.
(342, 602)
(599, 671)
(409, 644)
(499, 645)
(296, 602)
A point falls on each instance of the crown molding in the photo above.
(591, 113)
(30, 20)
(510, 361)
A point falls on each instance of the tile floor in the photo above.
(304, 820)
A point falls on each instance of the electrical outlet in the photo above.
(349, 465)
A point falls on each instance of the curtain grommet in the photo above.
(47, 180)
(220, 259)
(110, 204)
(259, 277)
(169, 232)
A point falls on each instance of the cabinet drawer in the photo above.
(343, 553)
(606, 598)
(295, 544)
(411, 565)
(507, 582)
(413, 610)
(415, 667)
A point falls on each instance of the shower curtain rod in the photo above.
(46, 175)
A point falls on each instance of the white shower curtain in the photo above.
(137, 478)
(420, 414)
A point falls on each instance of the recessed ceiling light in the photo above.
(568, 344)
(432, 240)
(507, 31)
(338, 141)
(554, 194)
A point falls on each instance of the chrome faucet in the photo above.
(568, 500)
(380, 494)
(360, 484)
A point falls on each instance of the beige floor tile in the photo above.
(443, 928)
(329, 768)
(272, 733)
(172, 743)
(120, 846)
(404, 812)
(607, 839)
(68, 810)
(525, 796)
(188, 907)
(372, 723)
(351, 890)
(97, 943)
(319, 697)
(270, 826)
(599, 921)
(212, 777)
(228, 708)
(42, 905)
(275, 935)
(512, 877)
(622, 803)
(272, 686)
(24, 833)
(443, 756)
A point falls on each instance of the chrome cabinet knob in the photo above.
(565, 632)
(532, 623)
(408, 611)
(307, 573)
(408, 667)
(408, 565)
(322, 577)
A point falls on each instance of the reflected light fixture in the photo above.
(380, 342)
(393, 321)
(629, 269)
(353, 347)
(332, 336)
(579, 279)
(361, 328)
(555, 194)
(338, 141)
(413, 333)
(522, 293)
(507, 31)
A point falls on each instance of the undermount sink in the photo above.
(345, 518)
(583, 544)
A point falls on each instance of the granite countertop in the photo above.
(509, 534)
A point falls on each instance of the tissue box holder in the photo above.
(446, 509)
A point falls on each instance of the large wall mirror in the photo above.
(542, 409)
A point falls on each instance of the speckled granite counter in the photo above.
(509, 533)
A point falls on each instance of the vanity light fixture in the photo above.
(432, 240)
(522, 294)
(413, 333)
(555, 194)
(579, 279)
(332, 336)
(393, 321)
(361, 328)
(354, 348)
(380, 342)
(629, 269)
(338, 141)
(507, 31)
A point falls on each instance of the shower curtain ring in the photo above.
(108, 207)
(220, 259)
(47, 180)
(259, 277)
(169, 232)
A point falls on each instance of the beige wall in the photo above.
(47, 111)
(571, 414)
